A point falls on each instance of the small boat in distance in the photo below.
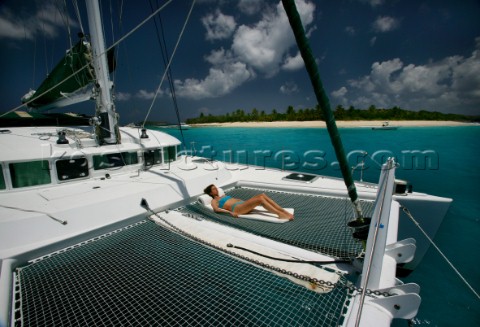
(385, 126)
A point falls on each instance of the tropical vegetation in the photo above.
(340, 113)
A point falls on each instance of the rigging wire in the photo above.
(66, 21)
(79, 18)
(70, 53)
(45, 46)
(113, 38)
(165, 56)
(139, 25)
(87, 65)
(407, 212)
(170, 77)
(170, 61)
(124, 46)
(34, 61)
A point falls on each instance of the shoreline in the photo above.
(340, 124)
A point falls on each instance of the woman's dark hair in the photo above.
(208, 190)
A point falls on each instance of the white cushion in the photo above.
(205, 199)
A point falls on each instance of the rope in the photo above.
(288, 260)
(349, 286)
(165, 56)
(77, 13)
(407, 212)
(85, 66)
(169, 62)
(66, 21)
(63, 222)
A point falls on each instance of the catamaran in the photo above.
(108, 225)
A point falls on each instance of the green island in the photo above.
(340, 113)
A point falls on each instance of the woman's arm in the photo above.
(217, 209)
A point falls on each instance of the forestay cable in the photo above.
(169, 62)
(407, 212)
(165, 55)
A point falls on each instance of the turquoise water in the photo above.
(446, 165)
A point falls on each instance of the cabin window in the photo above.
(2, 180)
(72, 168)
(170, 153)
(30, 173)
(152, 157)
(113, 160)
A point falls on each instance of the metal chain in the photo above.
(319, 282)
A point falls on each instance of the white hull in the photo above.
(99, 230)
(109, 199)
(96, 202)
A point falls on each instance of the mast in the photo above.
(105, 115)
(312, 69)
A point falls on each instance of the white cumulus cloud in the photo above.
(221, 80)
(373, 3)
(293, 63)
(289, 88)
(385, 24)
(451, 84)
(350, 30)
(145, 95)
(123, 96)
(218, 26)
(264, 44)
(249, 7)
(340, 93)
(261, 47)
(45, 22)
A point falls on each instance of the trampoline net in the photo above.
(320, 223)
(145, 275)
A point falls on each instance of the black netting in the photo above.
(146, 275)
(320, 223)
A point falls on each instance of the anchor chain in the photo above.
(319, 282)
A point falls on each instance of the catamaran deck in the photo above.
(319, 224)
(146, 274)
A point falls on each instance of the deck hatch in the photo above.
(299, 177)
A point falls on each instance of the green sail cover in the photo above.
(77, 57)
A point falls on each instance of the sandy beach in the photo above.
(348, 123)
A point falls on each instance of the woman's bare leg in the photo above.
(276, 205)
(262, 200)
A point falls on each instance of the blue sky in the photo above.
(418, 55)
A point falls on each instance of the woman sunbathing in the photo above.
(238, 207)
